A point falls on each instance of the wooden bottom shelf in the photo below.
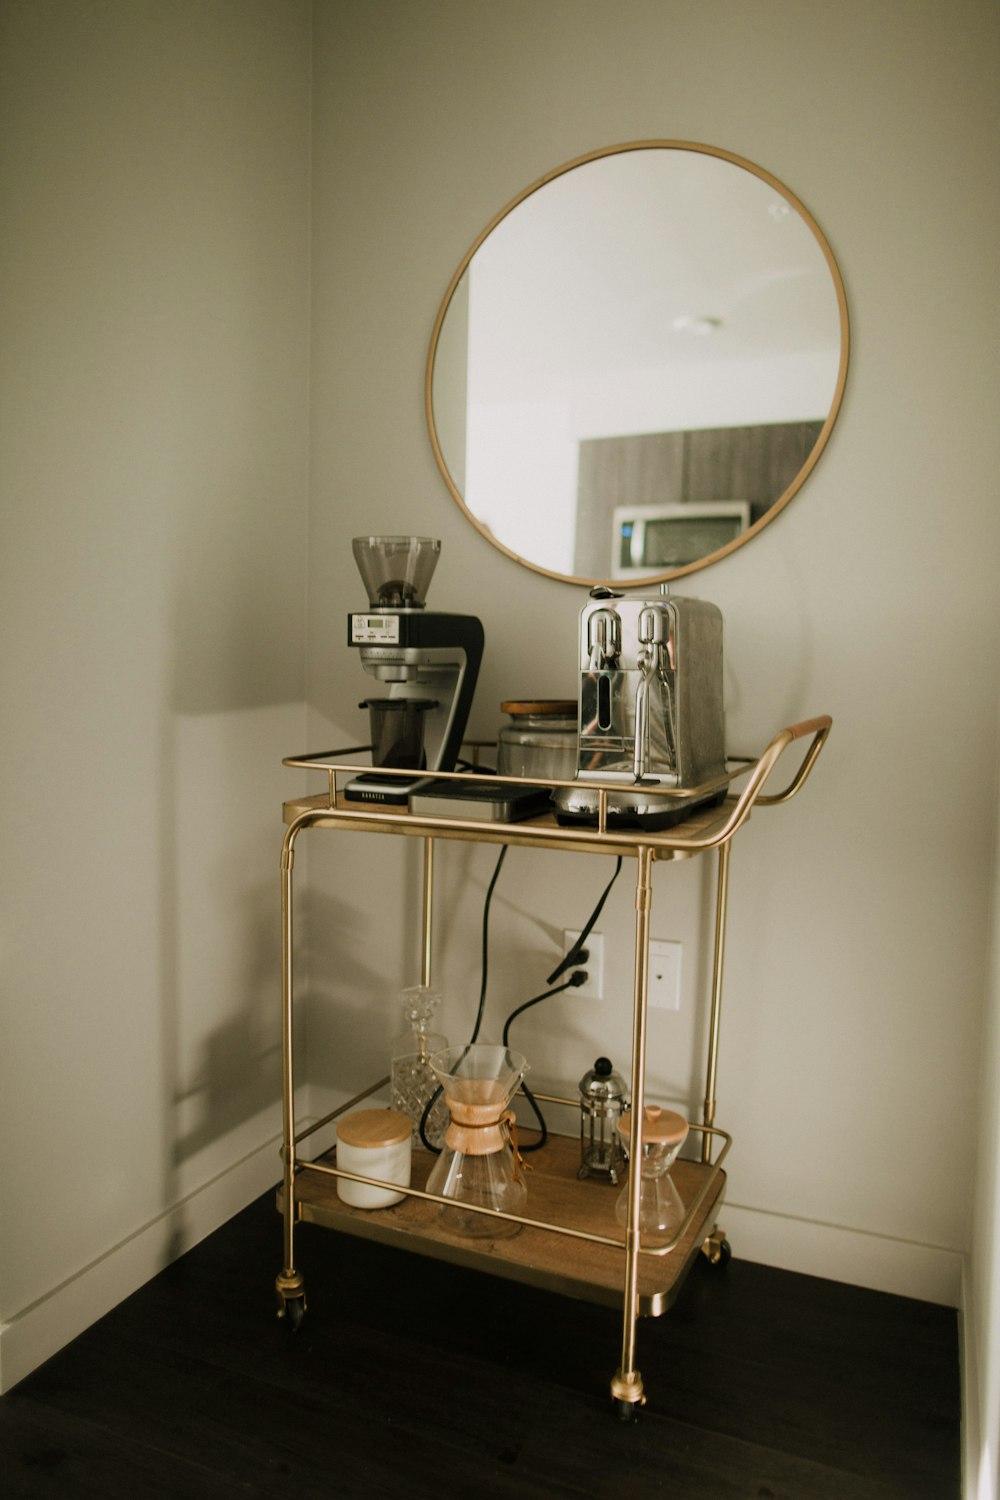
(576, 1268)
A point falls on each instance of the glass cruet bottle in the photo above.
(413, 1080)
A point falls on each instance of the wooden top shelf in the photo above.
(706, 828)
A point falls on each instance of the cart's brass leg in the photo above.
(426, 945)
(288, 1285)
(721, 903)
(626, 1387)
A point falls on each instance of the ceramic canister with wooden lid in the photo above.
(373, 1143)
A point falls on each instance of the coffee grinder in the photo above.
(650, 710)
(428, 663)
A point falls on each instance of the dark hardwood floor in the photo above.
(412, 1379)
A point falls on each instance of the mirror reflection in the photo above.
(637, 363)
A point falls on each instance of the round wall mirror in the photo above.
(637, 364)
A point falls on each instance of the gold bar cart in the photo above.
(571, 1242)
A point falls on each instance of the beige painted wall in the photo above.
(154, 465)
(858, 937)
(154, 625)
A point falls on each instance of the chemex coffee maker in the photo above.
(428, 662)
(650, 710)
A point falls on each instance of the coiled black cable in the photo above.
(573, 960)
(575, 980)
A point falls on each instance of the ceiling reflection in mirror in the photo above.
(637, 363)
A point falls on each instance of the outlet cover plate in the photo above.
(664, 991)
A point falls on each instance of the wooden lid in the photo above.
(548, 708)
(659, 1126)
(373, 1128)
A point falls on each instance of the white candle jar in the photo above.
(373, 1143)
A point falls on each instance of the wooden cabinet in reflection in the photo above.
(671, 468)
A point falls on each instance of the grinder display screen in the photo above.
(374, 630)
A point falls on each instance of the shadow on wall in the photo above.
(239, 1073)
(237, 631)
(350, 1005)
(236, 690)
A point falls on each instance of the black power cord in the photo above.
(575, 980)
(576, 957)
(573, 958)
(485, 970)
(485, 945)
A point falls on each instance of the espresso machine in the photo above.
(426, 663)
(650, 710)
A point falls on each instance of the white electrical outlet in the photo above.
(594, 988)
(664, 991)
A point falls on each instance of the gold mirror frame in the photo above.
(778, 505)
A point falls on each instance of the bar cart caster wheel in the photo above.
(291, 1295)
(717, 1249)
(293, 1313)
(627, 1396)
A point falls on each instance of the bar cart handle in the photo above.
(819, 728)
(809, 726)
(753, 793)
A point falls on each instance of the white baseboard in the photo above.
(51, 1322)
(927, 1272)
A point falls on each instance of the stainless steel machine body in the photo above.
(650, 709)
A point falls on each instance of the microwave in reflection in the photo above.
(654, 538)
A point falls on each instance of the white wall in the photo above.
(156, 334)
(154, 466)
(859, 914)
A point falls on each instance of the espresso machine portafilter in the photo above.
(426, 662)
(650, 710)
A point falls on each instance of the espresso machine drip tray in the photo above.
(633, 809)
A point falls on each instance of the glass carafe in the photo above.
(661, 1208)
(479, 1164)
(413, 1080)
